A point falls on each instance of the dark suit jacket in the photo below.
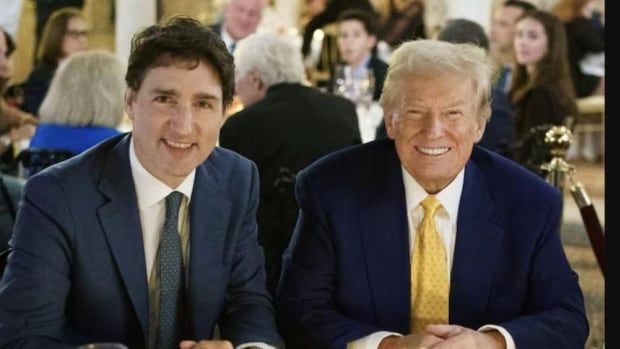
(35, 88)
(10, 199)
(346, 273)
(217, 28)
(290, 128)
(77, 273)
(499, 132)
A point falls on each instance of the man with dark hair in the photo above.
(464, 31)
(499, 131)
(149, 238)
(502, 37)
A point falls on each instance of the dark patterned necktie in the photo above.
(171, 275)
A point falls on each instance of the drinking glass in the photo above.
(355, 86)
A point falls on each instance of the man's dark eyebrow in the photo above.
(163, 91)
(207, 96)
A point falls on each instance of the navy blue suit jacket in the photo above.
(77, 273)
(346, 272)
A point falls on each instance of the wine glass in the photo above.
(356, 85)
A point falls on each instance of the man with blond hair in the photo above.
(417, 241)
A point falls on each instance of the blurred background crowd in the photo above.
(62, 66)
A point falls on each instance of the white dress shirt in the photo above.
(228, 40)
(446, 222)
(151, 194)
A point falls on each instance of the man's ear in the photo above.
(129, 98)
(480, 127)
(389, 124)
(373, 41)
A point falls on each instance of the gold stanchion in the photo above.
(559, 138)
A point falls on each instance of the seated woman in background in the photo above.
(84, 105)
(542, 91)
(65, 34)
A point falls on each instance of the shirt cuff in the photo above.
(371, 341)
(510, 343)
(259, 345)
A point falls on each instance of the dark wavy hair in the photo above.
(553, 69)
(367, 18)
(181, 41)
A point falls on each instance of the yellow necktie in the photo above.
(430, 285)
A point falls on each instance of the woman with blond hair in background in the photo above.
(542, 92)
(84, 105)
(65, 33)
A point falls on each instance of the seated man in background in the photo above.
(241, 18)
(499, 130)
(424, 240)
(149, 238)
(284, 127)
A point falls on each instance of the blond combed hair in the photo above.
(429, 58)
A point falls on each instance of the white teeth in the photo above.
(433, 151)
(178, 145)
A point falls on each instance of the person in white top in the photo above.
(372, 264)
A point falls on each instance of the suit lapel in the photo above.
(385, 240)
(477, 246)
(209, 215)
(120, 220)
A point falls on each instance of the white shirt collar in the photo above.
(151, 190)
(449, 197)
(228, 40)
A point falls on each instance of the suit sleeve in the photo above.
(248, 315)
(36, 282)
(306, 311)
(554, 313)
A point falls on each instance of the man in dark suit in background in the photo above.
(241, 17)
(149, 238)
(499, 131)
(423, 239)
(284, 127)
